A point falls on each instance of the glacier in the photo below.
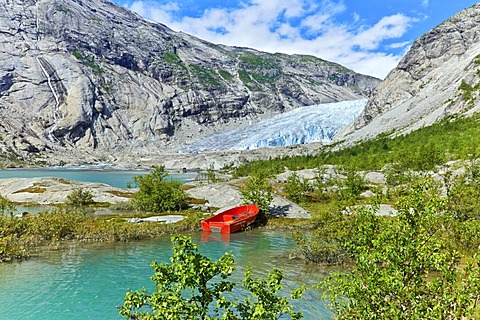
(315, 123)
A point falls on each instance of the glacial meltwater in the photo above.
(89, 281)
(114, 177)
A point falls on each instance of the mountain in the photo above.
(317, 123)
(437, 78)
(95, 79)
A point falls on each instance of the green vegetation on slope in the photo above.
(205, 75)
(422, 149)
(88, 60)
(258, 61)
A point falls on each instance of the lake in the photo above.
(88, 281)
(114, 177)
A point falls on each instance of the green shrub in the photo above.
(80, 197)
(325, 244)
(155, 194)
(352, 186)
(55, 225)
(6, 206)
(10, 245)
(297, 188)
(405, 269)
(195, 287)
(463, 193)
(257, 190)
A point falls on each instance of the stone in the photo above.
(425, 86)
(375, 177)
(97, 81)
(55, 190)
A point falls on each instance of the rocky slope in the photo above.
(92, 77)
(438, 77)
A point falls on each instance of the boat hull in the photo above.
(231, 220)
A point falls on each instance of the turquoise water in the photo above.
(115, 178)
(89, 281)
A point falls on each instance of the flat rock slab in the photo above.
(283, 208)
(383, 210)
(226, 196)
(218, 195)
(165, 219)
(56, 190)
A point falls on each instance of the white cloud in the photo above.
(390, 27)
(306, 27)
(154, 12)
(425, 3)
(398, 45)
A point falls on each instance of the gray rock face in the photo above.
(92, 76)
(439, 76)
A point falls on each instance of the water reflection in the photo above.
(215, 236)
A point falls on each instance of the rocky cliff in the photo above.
(90, 76)
(438, 77)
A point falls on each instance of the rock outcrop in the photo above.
(438, 77)
(95, 78)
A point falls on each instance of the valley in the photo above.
(373, 182)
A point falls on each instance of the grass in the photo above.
(423, 149)
(225, 75)
(172, 58)
(63, 181)
(205, 75)
(88, 60)
(195, 201)
(257, 61)
(261, 78)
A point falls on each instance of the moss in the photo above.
(32, 189)
(193, 201)
(119, 193)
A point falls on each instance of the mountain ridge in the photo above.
(438, 77)
(91, 77)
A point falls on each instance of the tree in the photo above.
(404, 268)
(352, 186)
(156, 194)
(80, 197)
(194, 287)
(297, 188)
(6, 206)
(257, 190)
(463, 192)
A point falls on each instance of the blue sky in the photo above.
(367, 36)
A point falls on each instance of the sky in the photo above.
(369, 37)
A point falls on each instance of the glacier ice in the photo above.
(302, 125)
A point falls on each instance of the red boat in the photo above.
(231, 220)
